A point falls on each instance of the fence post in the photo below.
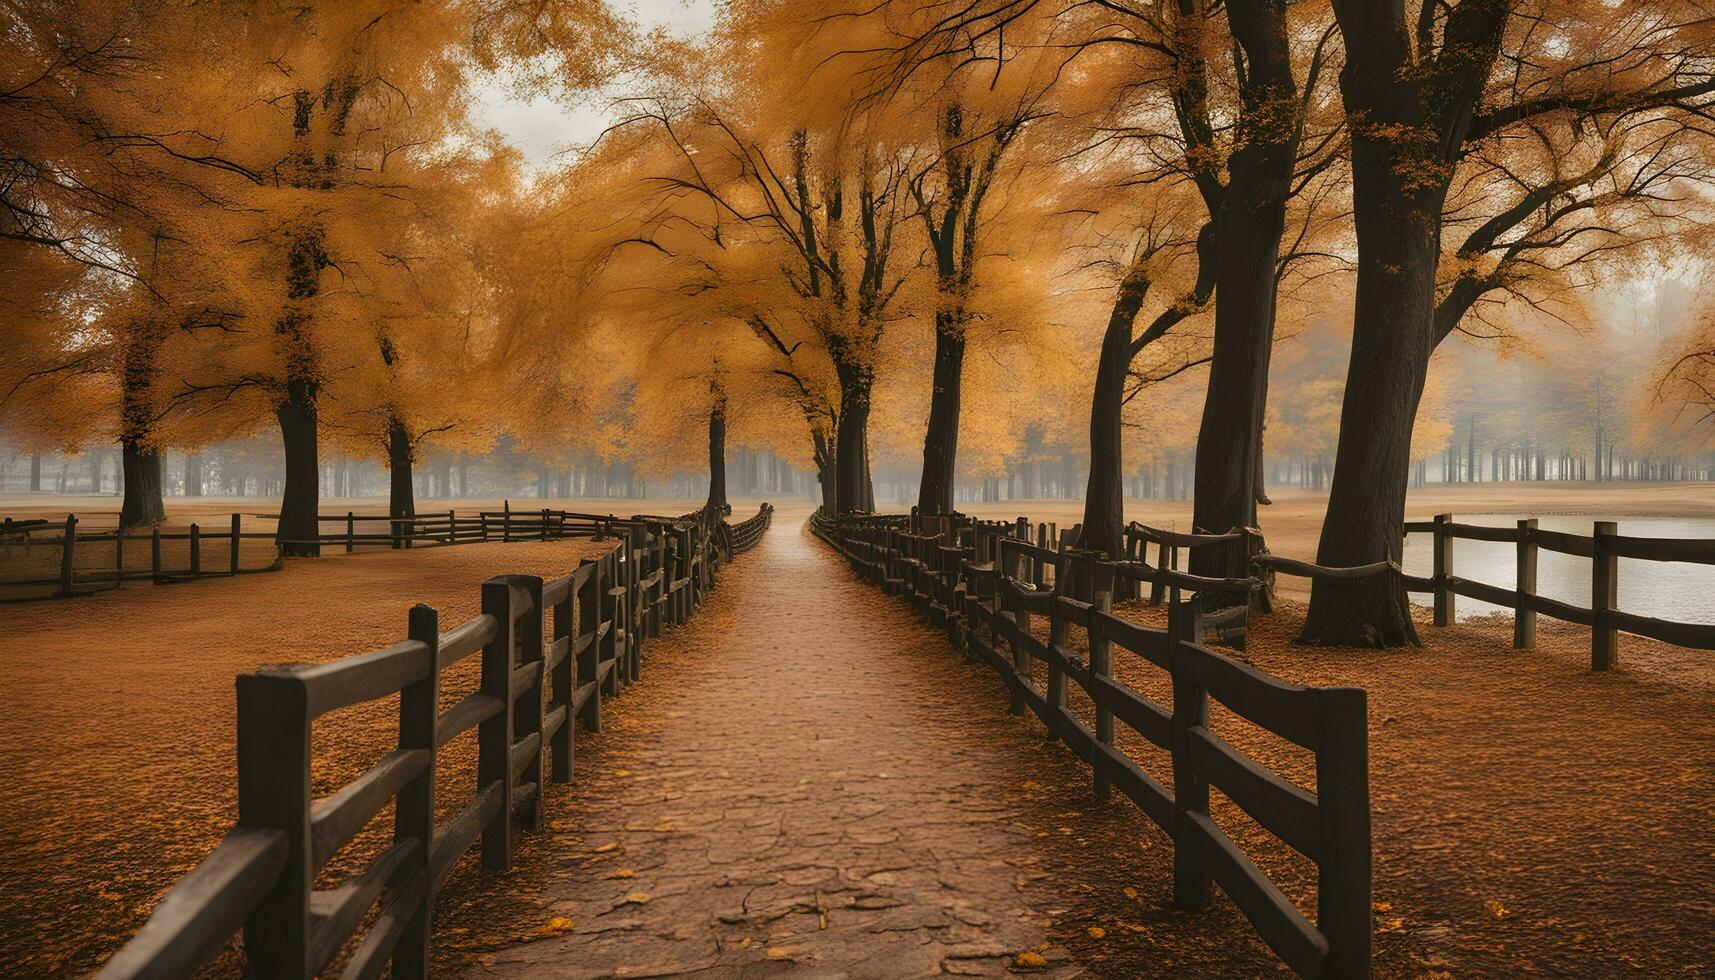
(609, 640)
(506, 520)
(119, 556)
(589, 660)
(1021, 625)
(1057, 633)
(274, 794)
(196, 551)
(494, 735)
(1524, 615)
(527, 719)
(563, 687)
(1604, 595)
(155, 553)
(414, 812)
(1102, 665)
(1190, 792)
(350, 531)
(1444, 597)
(1163, 562)
(634, 552)
(1344, 913)
(68, 554)
(544, 528)
(237, 525)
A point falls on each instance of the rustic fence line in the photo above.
(1604, 546)
(985, 581)
(424, 530)
(541, 675)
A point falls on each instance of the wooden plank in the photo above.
(1154, 799)
(1577, 545)
(366, 677)
(1285, 810)
(193, 921)
(456, 836)
(1563, 611)
(1280, 924)
(1139, 713)
(473, 710)
(1480, 532)
(1483, 591)
(1699, 551)
(369, 960)
(1287, 710)
(336, 819)
(465, 639)
(339, 911)
(1698, 636)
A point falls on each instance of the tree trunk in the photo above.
(141, 469)
(941, 438)
(193, 475)
(1104, 504)
(853, 492)
(717, 502)
(1392, 333)
(401, 502)
(301, 495)
(35, 472)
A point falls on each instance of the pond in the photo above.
(1666, 590)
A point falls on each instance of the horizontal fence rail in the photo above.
(987, 582)
(551, 651)
(1604, 546)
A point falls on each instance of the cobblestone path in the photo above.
(805, 784)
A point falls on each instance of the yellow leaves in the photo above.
(622, 773)
(622, 873)
(1495, 908)
(1097, 932)
(555, 926)
(778, 953)
(636, 898)
(1030, 960)
(1129, 892)
(605, 848)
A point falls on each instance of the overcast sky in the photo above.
(541, 126)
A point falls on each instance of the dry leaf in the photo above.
(1097, 932)
(1029, 959)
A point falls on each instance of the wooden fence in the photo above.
(1604, 546)
(76, 577)
(551, 652)
(985, 582)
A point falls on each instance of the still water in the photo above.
(1665, 590)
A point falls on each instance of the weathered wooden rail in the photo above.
(1604, 546)
(423, 530)
(985, 583)
(551, 653)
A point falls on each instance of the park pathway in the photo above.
(807, 783)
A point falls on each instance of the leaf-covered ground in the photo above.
(117, 739)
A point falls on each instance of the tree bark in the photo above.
(717, 503)
(1252, 221)
(193, 475)
(401, 492)
(941, 438)
(854, 493)
(301, 496)
(1104, 502)
(35, 472)
(141, 468)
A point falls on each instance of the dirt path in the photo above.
(805, 777)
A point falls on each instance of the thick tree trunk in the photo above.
(401, 500)
(717, 502)
(301, 495)
(854, 493)
(941, 438)
(1398, 248)
(141, 469)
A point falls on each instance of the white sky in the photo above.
(540, 127)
